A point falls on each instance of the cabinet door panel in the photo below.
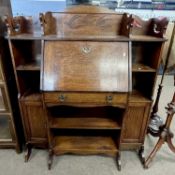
(1, 72)
(34, 120)
(5, 134)
(135, 123)
(4, 107)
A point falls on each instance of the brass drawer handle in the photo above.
(61, 97)
(109, 98)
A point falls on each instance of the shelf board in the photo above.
(146, 38)
(31, 96)
(38, 36)
(34, 65)
(84, 123)
(84, 145)
(142, 68)
(28, 67)
(136, 96)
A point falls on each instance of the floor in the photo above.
(163, 164)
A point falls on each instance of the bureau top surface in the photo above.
(85, 66)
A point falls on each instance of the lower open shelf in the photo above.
(84, 123)
(84, 145)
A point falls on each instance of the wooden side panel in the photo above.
(135, 123)
(76, 24)
(85, 66)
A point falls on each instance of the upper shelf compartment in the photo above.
(86, 24)
(83, 24)
(151, 30)
(98, 25)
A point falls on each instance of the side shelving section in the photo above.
(26, 58)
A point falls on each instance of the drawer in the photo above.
(86, 98)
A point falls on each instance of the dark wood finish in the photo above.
(84, 145)
(165, 134)
(33, 114)
(142, 68)
(137, 114)
(84, 118)
(9, 127)
(84, 24)
(89, 70)
(84, 123)
(33, 121)
(18, 25)
(153, 27)
(86, 56)
(86, 98)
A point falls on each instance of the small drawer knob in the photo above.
(61, 97)
(109, 98)
(86, 49)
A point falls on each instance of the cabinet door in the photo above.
(4, 106)
(1, 72)
(5, 128)
(34, 121)
(135, 123)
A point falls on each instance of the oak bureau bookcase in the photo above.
(86, 80)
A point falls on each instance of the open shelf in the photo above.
(137, 96)
(68, 117)
(31, 96)
(84, 123)
(33, 66)
(142, 68)
(84, 145)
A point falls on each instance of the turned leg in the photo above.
(153, 153)
(119, 161)
(50, 159)
(141, 154)
(28, 151)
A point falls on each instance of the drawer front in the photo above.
(85, 98)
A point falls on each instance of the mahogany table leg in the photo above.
(119, 161)
(28, 152)
(141, 154)
(50, 159)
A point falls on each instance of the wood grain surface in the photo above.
(85, 66)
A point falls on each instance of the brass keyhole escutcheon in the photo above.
(86, 49)
(61, 97)
(109, 98)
